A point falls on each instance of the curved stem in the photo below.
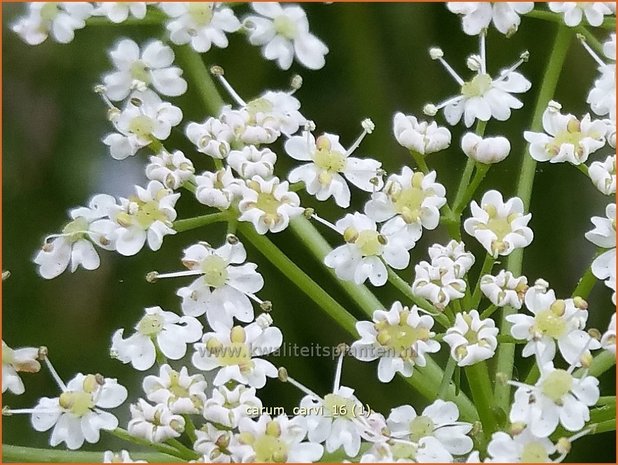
(506, 352)
(479, 175)
(419, 158)
(482, 394)
(199, 221)
(22, 454)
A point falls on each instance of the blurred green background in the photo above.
(378, 64)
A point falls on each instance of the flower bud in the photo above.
(488, 150)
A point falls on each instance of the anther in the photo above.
(308, 213)
(6, 275)
(152, 277)
(217, 70)
(430, 109)
(231, 239)
(282, 374)
(436, 53)
(266, 306)
(296, 82)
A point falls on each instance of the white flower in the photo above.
(137, 69)
(122, 457)
(429, 450)
(181, 393)
(118, 12)
(14, 361)
(567, 139)
(608, 341)
(273, 110)
(603, 175)
(145, 119)
(477, 16)
(366, 251)
(554, 321)
(604, 235)
(575, 11)
(156, 423)
(557, 397)
(76, 415)
(486, 150)
(482, 97)
(170, 169)
(283, 32)
(213, 444)
(268, 204)
(439, 421)
(227, 406)
(251, 161)
(224, 283)
(74, 245)
(408, 203)
(602, 96)
(400, 338)
(235, 352)
(329, 164)
(275, 440)
(334, 420)
(212, 137)
(59, 19)
(160, 330)
(524, 447)
(499, 226)
(145, 217)
(202, 24)
(420, 136)
(453, 255)
(472, 340)
(438, 283)
(504, 289)
(217, 189)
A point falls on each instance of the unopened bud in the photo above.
(474, 63)
(264, 320)
(296, 82)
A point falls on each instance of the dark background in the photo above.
(378, 64)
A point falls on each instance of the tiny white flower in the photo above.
(557, 398)
(140, 69)
(170, 169)
(486, 150)
(217, 189)
(283, 33)
(438, 283)
(251, 161)
(400, 338)
(420, 136)
(471, 339)
(278, 439)
(227, 406)
(213, 444)
(58, 19)
(77, 416)
(330, 164)
(121, 457)
(15, 361)
(74, 245)
(201, 24)
(524, 447)
(453, 255)
(567, 139)
(439, 421)
(224, 283)
(268, 204)
(181, 393)
(604, 235)
(212, 137)
(603, 175)
(554, 321)
(602, 96)
(477, 16)
(145, 119)
(504, 289)
(367, 250)
(273, 110)
(156, 423)
(118, 12)
(235, 352)
(499, 226)
(429, 450)
(575, 11)
(160, 330)
(608, 341)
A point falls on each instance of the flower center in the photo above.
(215, 271)
(534, 452)
(176, 388)
(200, 13)
(150, 325)
(370, 243)
(141, 126)
(285, 27)
(329, 160)
(268, 447)
(146, 214)
(557, 385)
(259, 105)
(404, 451)
(421, 427)
(8, 355)
(477, 87)
(75, 229)
(78, 403)
(402, 337)
(237, 352)
(408, 202)
(549, 324)
(140, 72)
(268, 204)
(49, 11)
(339, 406)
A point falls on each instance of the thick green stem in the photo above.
(448, 375)
(419, 158)
(482, 394)
(506, 352)
(585, 284)
(199, 221)
(485, 269)
(479, 175)
(21, 454)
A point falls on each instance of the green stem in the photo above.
(448, 375)
(22, 454)
(488, 264)
(467, 174)
(604, 427)
(482, 394)
(190, 428)
(163, 448)
(187, 453)
(419, 158)
(585, 284)
(489, 311)
(479, 175)
(506, 352)
(202, 79)
(199, 221)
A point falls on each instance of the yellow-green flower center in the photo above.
(408, 201)
(201, 13)
(76, 229)
(534, 452)
(259, 105)
(557, 385)
(150, 325)
(339, 406)
(548, 323)
(370, 243)
(476, 87)
(285, 27)
(8, 355)
(268, 447)
(237, 352)
(401, 337)
(176, 388)
(421, 427)
(79, 403)
(49, 11)
(215, 271)
(141, 126)
(140, 72)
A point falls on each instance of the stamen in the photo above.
(155, 275)
(7, 412)
(591, 52)
(437, 54)
(343, 349)
(6, 275)
(100, 90)
(523, 58)
(432, 110)
(295, 84)
(218, 72)
(483, 53)
(326, 223)
(52, 370)
(286, 378)
(368, 128)
(581, 354)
